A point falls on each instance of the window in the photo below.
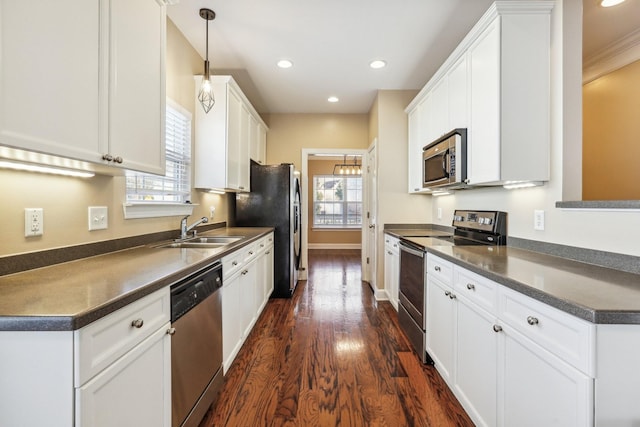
(337, 201)
(175, 186)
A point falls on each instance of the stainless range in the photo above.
(470, 228)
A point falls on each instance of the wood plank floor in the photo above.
(332, 356)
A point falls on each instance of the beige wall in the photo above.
(65, 200)
(388, 123)
(340, 237)
(611, 136)
(290, 133)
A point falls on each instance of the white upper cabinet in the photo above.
(84, 80)
(509, 132)
(495, 84)
(226, 138)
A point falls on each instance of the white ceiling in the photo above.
(331, 43)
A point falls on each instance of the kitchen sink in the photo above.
(201, 242)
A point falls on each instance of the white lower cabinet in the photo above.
(538, 389)
(391, 268)
(441, 327)
(133, 391)
(476, 367)
(509, 359)
(247, 285)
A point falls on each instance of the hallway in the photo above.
(332, 356)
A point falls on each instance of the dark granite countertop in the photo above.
(593, 293)
(70, 295)
(417, 232)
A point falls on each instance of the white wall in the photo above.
(611, 231)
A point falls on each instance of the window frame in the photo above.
(344, 203)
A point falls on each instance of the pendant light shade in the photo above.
(345, 168)
(205, 95)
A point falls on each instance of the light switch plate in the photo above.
(98, 218)
(538, 220)
(33, 222)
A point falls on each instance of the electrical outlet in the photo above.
(33, 222)
(439, 213)
(98, 218)
(212, 212)
(538, 220)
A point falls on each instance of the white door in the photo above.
(369, 220)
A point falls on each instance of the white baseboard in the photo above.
(381, 295)
(335, 246)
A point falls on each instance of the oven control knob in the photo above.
(488, 221)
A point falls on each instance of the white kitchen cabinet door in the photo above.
(538, 389)
(50, 77)
(476, 362)
(440, 314)
(458, 100)
(137, 84)
(102, 91)
(439, 121)
(268, 273)
(231, 320)
(133, 391)
(248, 278)
(262, 144)
(243, 156)
(234, 141)
(414, 161)
(484, 133)
(391, 269)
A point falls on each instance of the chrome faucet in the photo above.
(184, 229)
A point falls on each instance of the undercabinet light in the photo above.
(521, 184)
(609, 3)
(285, 63)
(440, 193)
(333, 99)
(213, 191)
(44, 169)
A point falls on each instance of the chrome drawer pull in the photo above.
(532, 320)
(447, 293)
(497, 328)
(452, 296)
(471, 286)
(437, 268)
(234, 263)
(137, 323)
(171, 331)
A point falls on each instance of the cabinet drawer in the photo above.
(249, 252)
(477, 289)
(102, 342)
(562, 334)
(232, 264)
(391, 244)
(440, 269)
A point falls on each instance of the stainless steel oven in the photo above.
(411, 310)
(444, 161)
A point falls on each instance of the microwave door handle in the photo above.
(445, 163)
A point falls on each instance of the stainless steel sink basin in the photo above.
(209, 242)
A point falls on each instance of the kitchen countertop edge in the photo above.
(71, 322)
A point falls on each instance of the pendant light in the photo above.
(205, 96)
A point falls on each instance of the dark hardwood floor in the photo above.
(332, 356)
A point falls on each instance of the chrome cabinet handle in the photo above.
(497, 328)
(137, 323)
(244, 272)
(436, 268)
(118, 159)
(234, 263)
(532, 320)
(390, 253)
(372, 226)
(171, 331)
(471, 286)
(107, 157)
(447, 293)
(452, 296)
(250, 252)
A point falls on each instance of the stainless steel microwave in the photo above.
(444, 161)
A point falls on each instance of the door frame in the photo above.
(304, 182)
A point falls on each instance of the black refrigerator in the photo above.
(274, 201)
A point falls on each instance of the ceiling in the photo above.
(331, 43)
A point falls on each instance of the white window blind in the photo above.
(175, 186)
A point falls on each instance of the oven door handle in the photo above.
(410, 249)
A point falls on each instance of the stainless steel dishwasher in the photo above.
(196, 345)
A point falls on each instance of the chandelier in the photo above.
(345, 168)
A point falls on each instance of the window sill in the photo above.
(355, 228)
(155, 210)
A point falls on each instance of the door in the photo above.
(297, 227)
(369, 222)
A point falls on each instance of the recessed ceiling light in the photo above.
(285, 63)
(609, 3)
(378, 63)
(333, 99)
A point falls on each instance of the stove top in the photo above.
(471, 228)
